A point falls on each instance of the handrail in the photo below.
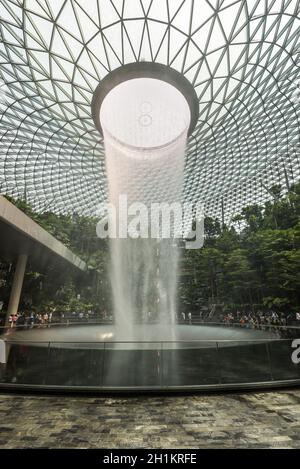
(109, 322)
(53, 324)
(267, 339)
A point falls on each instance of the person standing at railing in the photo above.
(31, 320)
(21, 319)
(10, 321)
(41, 319)
(14, 320)
(45, 318)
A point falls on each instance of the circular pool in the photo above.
(102, 358)
(81, 335)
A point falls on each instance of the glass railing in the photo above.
(46, 325)
(150, 365)
(280, 328)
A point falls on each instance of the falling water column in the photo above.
(145, 123)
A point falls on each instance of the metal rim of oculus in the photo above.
(145, 70)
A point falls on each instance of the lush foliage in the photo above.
(255, 264)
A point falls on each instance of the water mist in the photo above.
(145, 123)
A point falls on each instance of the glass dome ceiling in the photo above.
(242, 57)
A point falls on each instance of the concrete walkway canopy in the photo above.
(21, 239)
(19, 234)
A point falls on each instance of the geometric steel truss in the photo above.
(241, 56)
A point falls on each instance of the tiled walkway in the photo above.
(262, 419)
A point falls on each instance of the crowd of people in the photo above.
(248, 319)
(35, 319)
(30, 319)
(259, 319)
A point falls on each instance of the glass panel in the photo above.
(187, 364)
(26, 363)
(132, 364)
(244, 362)
(281, 360)
(76, 364)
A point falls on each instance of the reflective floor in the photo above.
(246, 420)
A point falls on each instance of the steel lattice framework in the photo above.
(241, 56)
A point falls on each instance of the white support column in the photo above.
(16, 288)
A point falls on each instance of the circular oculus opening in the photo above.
(145, 113)
(140, 103)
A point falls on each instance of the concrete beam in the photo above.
(19, 234)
